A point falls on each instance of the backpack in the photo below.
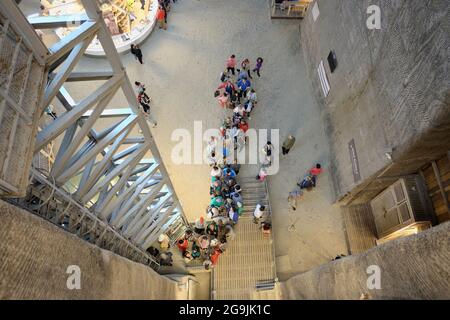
(144, 98)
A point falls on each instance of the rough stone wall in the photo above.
(35, 254)
(415, 267)
(391, 88)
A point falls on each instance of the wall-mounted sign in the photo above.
(354, 160)
(315, 11)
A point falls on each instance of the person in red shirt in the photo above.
(161, 16)
(243, 126)
(182, 245)
(215, 257)
(231, 64)
(316, 170)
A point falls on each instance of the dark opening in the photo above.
(332, 61)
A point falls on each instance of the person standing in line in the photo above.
(161, 17)
(182, 245)
(164, 242)
(137, 52)
(235, 166)
(288, 144)
(245, 65)
(259, 63)
(212, 160)
(231, 64)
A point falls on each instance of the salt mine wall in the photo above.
(35, 256)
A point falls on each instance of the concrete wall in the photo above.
(35, 254)
(415, 267)
(391, 88)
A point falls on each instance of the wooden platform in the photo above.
(437, 178)
(360, 228)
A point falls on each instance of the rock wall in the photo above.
(390, 91)
(415, 267)
(35, 255)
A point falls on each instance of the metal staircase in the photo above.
(247, 269)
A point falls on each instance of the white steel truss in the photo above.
(112, 174)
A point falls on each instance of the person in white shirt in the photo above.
(258, 213)
(216, 172)
(212, 144)
(251, 96)
(240, 110)
(212, 160)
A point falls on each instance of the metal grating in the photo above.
(21, 81)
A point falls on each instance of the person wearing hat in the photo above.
(237, 188)
(214, 243)
(212, 212)
(216, 172)
(164, 242)
(288, 144)
(199, 226)
(236, 197)
(166, 259)
(240, 208)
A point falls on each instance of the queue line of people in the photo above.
(211, 237)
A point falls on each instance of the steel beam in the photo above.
(86, 31)
(115, 172)
(111, 113)
(99, 146)
(54, 22)
(64, 121)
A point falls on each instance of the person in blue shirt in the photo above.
(243, 85)
(242, 75)
(231, 172)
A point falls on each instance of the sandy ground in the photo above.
(181, 70)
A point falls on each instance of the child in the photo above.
(259, 63)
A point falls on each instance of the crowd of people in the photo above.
(210, 237)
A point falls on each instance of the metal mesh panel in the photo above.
(19, 75)
(21, 81)
(14, 171)
(6, 55)
(33, 86)
(5, 131)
